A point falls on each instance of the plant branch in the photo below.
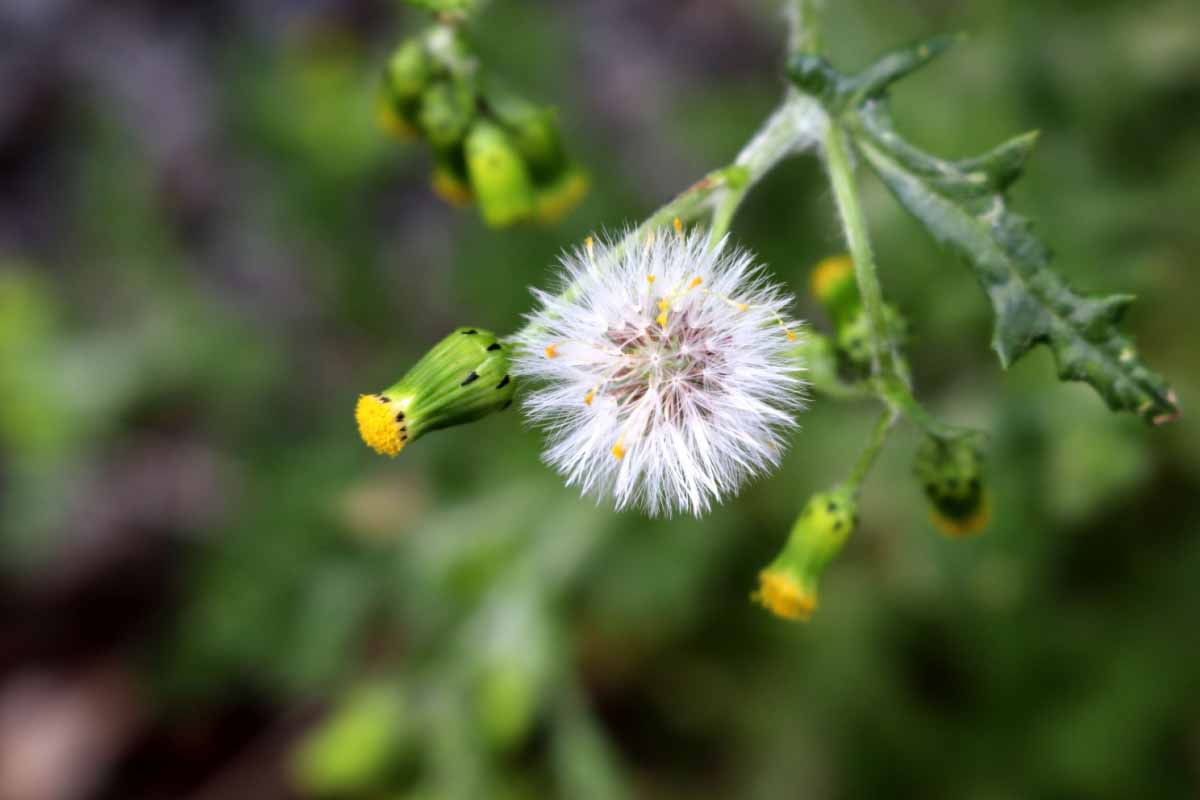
(854, 225)
(866, 459)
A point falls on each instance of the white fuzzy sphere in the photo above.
(664, 373)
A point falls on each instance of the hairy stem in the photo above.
(790, 128)
(866, 459)
(854, 224)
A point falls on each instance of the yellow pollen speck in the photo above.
(590, 244)
(618, 451)
(663, 305)
(678, 226)
(661, 319)
(695, 282)
(552, 351)
(650, 279)
(742, 306)
(791, 336)
(780, 594)
(588, 398)
(376, 417)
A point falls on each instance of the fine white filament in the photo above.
(664, 372)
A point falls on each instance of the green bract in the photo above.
(463, 378)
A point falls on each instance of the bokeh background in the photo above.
(210, 589)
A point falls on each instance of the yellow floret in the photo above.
(378, 426)
(780, 594)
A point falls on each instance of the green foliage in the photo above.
(963, 205)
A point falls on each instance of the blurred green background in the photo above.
(211, 589)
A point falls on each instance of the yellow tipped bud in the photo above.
(967, 525)
(559, 198)
(464, 377)
(552, 351)
(618, 451)
(450, 187)
(951, 473)
(788, 586)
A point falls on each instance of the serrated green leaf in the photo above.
(962, 204)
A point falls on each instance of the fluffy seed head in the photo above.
(666, 371)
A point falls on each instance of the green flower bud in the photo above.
(951, 473)
(833, 284)
(854, 333)
(464, 377)
(408, 71)
(788, 586)
(533, 129)
(357, 747)
(498, 176)
(447, 108)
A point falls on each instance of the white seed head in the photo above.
(664, 372)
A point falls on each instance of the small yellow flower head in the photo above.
(788, 586)
(951, 474)
(381, 424)
(464, 377)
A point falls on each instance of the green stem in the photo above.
(722, 191)
(866, 459)
(841, 176)
(804, 34)
(779, 137)
(895, 392)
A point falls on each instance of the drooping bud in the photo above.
(449, 178)
(951, 474)
(447, 109)
(558, 198)
(788, 586)
(407, 73)
(498, 176)
(464, 377)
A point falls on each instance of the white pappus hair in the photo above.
(664, 373)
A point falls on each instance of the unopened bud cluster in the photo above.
(490, 145)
